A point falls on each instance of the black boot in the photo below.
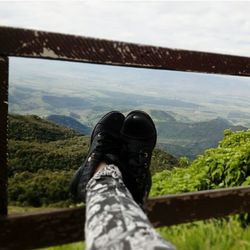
(105, 145)
(139, 139)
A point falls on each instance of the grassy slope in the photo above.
(209, 235)
(32, 127)
(43, 157)
(55, 155)
(35, 143)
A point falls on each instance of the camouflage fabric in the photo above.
(114, 221)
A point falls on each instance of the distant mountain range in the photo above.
(79, 87)
(188, 121)
(186, 138)
(70, 122)
(177, 137)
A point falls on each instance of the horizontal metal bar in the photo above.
(38, 230)
(65, 226)
(4, 69)
(38, 44)
(182, 208)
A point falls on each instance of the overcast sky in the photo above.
(207, 26)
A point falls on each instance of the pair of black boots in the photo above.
(126, 142)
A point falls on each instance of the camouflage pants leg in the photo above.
(114, 221)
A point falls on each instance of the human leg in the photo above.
(113, 218)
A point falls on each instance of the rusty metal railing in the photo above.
(66, 225)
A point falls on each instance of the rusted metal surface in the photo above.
(175, 209)
(40, 230)
(4, 69)
(65, 226)
(37, 44)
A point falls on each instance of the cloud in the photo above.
(208, 26)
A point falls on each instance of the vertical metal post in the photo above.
(4, 75)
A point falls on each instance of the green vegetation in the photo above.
(208, 235)
(32, 127)
(14, 210)
(41, 188)
(161, 160)
(72, 246)
(42, 159)
(40, 167)
(54, 155)
(227, 165)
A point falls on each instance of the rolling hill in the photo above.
(186, 138)
(70, 122)
(43, 156)
(176, 134)
(34, 128)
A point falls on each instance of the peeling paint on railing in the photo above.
(37, 44)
